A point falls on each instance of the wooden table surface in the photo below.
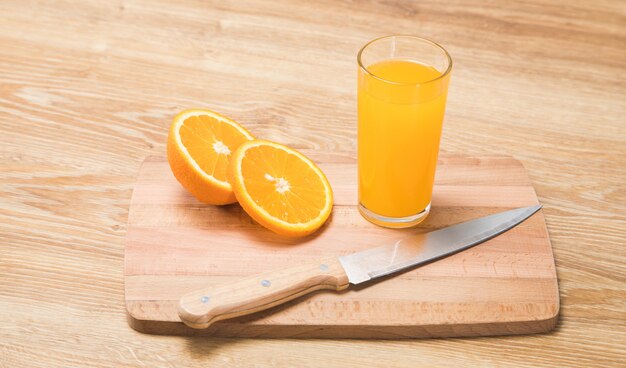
(88, 89)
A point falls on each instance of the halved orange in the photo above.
(280, 188)
(199, 147)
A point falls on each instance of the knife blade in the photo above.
(201, 308)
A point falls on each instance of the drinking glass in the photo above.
(402, 89)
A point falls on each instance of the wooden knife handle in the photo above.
(201, 308)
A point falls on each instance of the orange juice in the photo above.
(401, 105)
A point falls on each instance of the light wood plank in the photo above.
(87, 90)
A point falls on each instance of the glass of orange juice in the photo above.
(402, 89)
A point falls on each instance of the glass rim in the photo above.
(432, 43)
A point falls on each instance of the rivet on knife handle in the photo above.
(201, 308)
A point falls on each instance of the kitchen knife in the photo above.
(201, 308)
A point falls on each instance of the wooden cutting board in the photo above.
(507, 285)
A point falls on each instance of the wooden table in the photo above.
(88, 89)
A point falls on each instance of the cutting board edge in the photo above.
(154, 327)
(347, 158)
(545, 323)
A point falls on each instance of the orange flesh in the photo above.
(199, 135)
(282, 184)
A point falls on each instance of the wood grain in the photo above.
(504, 286)
(88, 89)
